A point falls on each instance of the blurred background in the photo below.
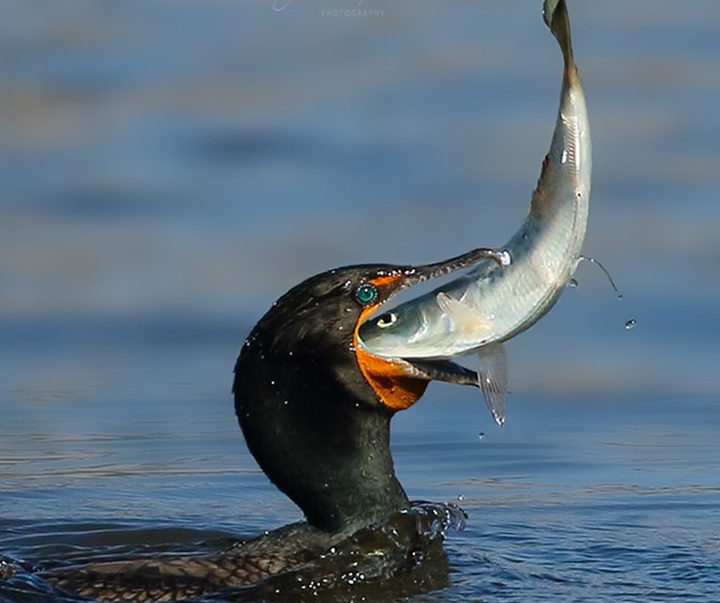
(168, 169)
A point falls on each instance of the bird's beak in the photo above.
(420, 274)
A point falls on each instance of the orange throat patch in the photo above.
(396, 389)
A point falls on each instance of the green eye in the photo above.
(366, 294)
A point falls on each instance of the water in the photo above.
(168, 171)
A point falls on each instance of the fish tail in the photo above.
(556, 18)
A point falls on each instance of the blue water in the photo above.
(169, 169)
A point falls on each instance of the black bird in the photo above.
(315, 409)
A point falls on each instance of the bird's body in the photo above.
(316, 416)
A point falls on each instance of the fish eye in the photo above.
(366, 294)
(386, 320)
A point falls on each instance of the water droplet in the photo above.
(572, 283)
(630, 324)
(607, 274)
(481, 435)
(7, 571)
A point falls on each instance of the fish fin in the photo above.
(464, 316)
(492, 379)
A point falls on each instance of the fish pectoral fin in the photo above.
(492, 379)
(465, 317)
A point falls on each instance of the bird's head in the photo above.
(315, 405)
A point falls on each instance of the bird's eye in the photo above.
(366, 294)
(386, 320)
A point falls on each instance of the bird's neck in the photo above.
(329, 454)
(352, 480)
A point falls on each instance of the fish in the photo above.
(497, 300)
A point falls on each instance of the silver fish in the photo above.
(497, 300)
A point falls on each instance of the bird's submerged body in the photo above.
(293, 563)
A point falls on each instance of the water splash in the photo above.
(433, 520)
(619, 295)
